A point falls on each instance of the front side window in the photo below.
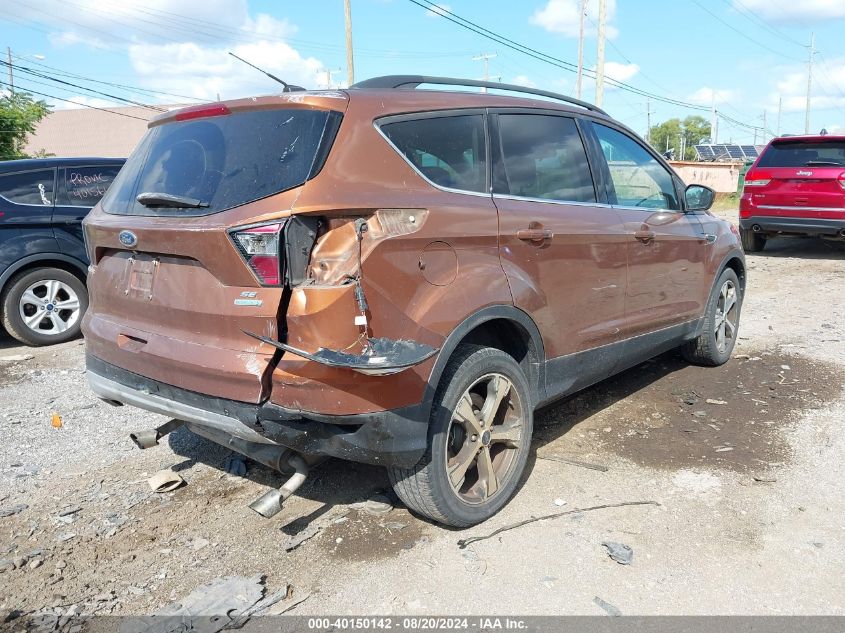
(29, 187)
(450, 151)
(637, 178)
(544, 158)
(85, 186)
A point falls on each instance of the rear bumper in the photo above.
(387, 438)
(793, 226)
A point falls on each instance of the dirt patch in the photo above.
(668, 414)
(360, 536)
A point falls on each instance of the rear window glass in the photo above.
(798, 154)
(29, 187)
(449, 151)
(223, 161)
(85, 186)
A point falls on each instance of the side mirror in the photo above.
(699, 197)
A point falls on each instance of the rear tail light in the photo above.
(842, 180)
(761, 182)
(260, 246)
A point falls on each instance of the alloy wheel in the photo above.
(484, 438)
(49, 307)
(725, 323)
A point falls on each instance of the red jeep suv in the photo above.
(796, 187)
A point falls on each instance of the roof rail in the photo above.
(413, 81)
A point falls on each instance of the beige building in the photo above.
(110, 132)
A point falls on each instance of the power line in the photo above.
(736, 30)
(29, 71)
(544, 57)
(84, 105)
(752, 17)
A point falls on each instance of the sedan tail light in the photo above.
(260, 247)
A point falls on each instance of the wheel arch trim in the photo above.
(45, 258)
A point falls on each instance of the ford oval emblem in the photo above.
(128, 238)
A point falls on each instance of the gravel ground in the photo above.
(750, 492)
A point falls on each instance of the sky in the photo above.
(743, 56)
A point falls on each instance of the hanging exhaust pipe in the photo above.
(150, 437)
(270, 503)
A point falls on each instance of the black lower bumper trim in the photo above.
(793, 226)
(396, 437)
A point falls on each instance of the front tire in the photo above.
(721, 324)
(479, 438)
(752, 242)
(44, 306)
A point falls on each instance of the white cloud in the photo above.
(828, 91)
(204, 72)
(438, 10)
(563, 16)
(81, 101)
(620, 72)
(181, 48)
(523, 80)
(789, 11)
(708, 96)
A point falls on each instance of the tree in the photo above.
(19, 114)
(693, 128)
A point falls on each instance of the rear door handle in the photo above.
(535, 235)
(644, 236)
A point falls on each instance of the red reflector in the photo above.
(267, 268)
(203, 111)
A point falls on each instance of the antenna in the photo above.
(287, 87)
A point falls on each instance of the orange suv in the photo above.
(396, 276)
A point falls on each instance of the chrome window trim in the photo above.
(481, 194)
(507, 196)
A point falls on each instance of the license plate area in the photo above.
(141, 274)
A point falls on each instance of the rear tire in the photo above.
(721, 326)
(44, 306)
(479, 437)
(752, 242)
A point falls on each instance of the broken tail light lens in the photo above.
(260, 247)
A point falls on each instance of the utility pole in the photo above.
(780, 108)
(765, 131)
(600, 53)
(583, 9)
(350, 62)
(714, 121)
(329, 74)
(648, 121)
(11, 74)
(809, 81)
(485, 57)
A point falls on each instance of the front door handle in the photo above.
(534, 235)
(645, 236)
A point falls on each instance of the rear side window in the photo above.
(223, 161)
(85, 186)
(29, 187)
(450, 151)
(798, 154)
(545, 158)
(637, 178)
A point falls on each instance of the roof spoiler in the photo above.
(413, 81)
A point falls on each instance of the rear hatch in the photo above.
(799, 177)
(187, 243)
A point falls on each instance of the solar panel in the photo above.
(750, 151)
(705, 152)
(734, 151)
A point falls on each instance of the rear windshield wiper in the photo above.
(156, 199)
(821, 163)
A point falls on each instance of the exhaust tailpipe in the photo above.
(150, 437)
(270, 503)
(842, 233)
(756, 228)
